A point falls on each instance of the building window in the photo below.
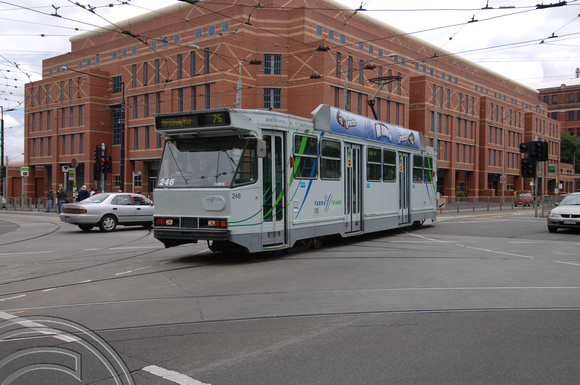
(338, 65)
(72, 144)
(117, 84)
(124, 52)
(157, 71)
(134, 75)
(179, 66)
(80, 64)
(177, 40)
(153, 45)
(117, 180)
(207, 97)
(342, 39)
(146, 104)
(193, 98)
(164, 42)
(135, 107)
(330, 35)
(117, 125)
(64, 144)
(272, 98)
(180, 100)
(158, 102)
(136, 141)
(147, 134)
(555, 99)
(192, 64)
(225, 27)
(98, 58)
(211, 31)
(272, 64)
(319, 30)
(134, 50)
(145, 73)
(114, 55)
(81, 143)
(206, 57)
(49, 146)
(198, 34)
(361, 46)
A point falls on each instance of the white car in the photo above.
(3, 202)
(566, 214)
(107, 210)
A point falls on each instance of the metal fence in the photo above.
(473, 204)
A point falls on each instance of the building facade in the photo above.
(280, 55)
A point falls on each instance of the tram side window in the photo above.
(417, 168)
(389, 165)
(428, 169)
(330, 159)
(305, 156)
(373, 164)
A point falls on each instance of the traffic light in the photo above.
(540, 151)
(524, 147)
(528, 167)
(98, 154)
(108, 164)
(97, 171)
(2, 172)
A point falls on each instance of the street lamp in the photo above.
(123, 131)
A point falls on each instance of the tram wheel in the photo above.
(317, 242)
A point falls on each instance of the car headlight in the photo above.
(554, 215)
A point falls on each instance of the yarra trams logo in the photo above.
(48, 350)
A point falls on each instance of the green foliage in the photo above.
(570, 145)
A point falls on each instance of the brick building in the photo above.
(289, 57)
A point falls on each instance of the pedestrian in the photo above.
(92, 192)
(61, 197)
(83, 194)
(75, 195)
(49, 200)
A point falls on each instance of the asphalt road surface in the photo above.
(485, 298)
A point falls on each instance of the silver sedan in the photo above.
(566, 215)
(107, 210)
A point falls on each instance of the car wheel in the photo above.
(552, 229)
(86, 227)
(108, 223)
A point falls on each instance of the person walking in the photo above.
(84, 193)
(61, 198)
(49, 200)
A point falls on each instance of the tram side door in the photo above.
(352, 187)
(404, 188)
(273, 187)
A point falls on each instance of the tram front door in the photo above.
(352, 188)
(273, 187)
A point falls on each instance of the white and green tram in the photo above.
(257, 180)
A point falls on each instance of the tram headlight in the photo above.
(214, 223)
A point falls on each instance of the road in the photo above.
(475, 298)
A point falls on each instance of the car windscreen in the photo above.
(216, 162)
(570, 200)
(97, 198)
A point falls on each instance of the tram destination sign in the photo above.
(192, 120)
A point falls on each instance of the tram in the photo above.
(257, 180)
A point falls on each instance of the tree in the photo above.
(570, 145)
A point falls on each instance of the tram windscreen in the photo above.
(217, 162)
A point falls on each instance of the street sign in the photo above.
(502, 179)
(74, 163)
(24, 171)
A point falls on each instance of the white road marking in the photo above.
(16, 297)
(131, 271)
(135, 247)
(26, 252)
(39, 328)
(568, 263)
(172, 376)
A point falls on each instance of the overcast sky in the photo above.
(511, 37)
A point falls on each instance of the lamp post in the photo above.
(123, 131)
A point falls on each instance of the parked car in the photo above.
(524, 199)
(4, 203)
(107, 210)
(566, 214)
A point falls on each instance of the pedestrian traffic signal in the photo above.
(528, 167)
(97, 171)
(2, 173)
